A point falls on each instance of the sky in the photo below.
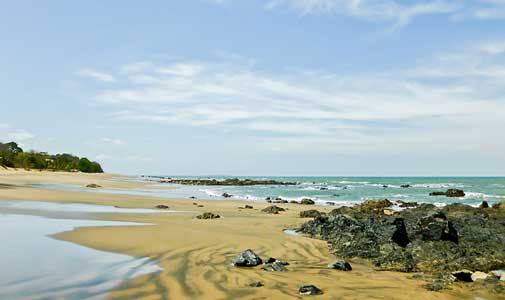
(266, 87)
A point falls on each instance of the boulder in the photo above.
(436, 227)
(294, 202)
(307, 201)
(479, 276)
(93, 186)
(310, 290)
(276, 266)
(162, 206)
(226, 195)
(484, 204)
(400, 235)
(311, 213)
(463, 275)
(341, 265)
(247, 259)
(499, 205)
(273, 209)
(208, 215)
(248, 206)
(271, 260)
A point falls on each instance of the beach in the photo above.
(195, 255)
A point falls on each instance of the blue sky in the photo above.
(274, 87)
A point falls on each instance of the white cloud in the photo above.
(102, 157)
(112, 141)
(100, 76)
(9, 133)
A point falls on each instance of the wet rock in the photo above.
(479, 276)
(311, 213)
(449, 193)
(330, 203)
(162, 206)
(271, 260)
(323, 189)
(247, 259)
(400, 235)
(405, 186)
(256, 284)
(307, 201)
(484, 204)
(280, 201)
(93, 186)
(273, 209)
(341, 265)
(276, 266)
(310, 290)
(248, 206)
(226, 195)
(208, 215)
(463, 275)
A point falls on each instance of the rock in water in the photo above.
(341, 265)
(276, 266)
(307, 201)
(310, 290)
(463, 275)
(247, 259)
(208, 215)
(273, 209)
(93, 186)
(449, 193)
(226, 195)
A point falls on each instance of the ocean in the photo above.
(350, 190)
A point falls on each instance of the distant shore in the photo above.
(196, 254)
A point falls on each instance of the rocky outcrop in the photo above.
(311, 213)
(247, 258)
(225, 182)
(208, 215)
(307, 201)
(457, 237)
(273, 209)
(449, 193)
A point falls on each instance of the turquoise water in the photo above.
(349, 190)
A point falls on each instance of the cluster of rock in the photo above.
(456, 237)
(449, 193)
(226, 182)
(208, 215)
(250, 259)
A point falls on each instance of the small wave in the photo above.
(437, 185)
(481, 195)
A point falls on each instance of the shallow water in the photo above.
(38, 267)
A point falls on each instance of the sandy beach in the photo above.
(196, 255)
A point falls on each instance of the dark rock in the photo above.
(271, 260)
(405, 186)
(162, 206)
(484, 204)
(499, 205)
(437, 194)
(323, 189)
(194, 203)
(310, 290)
(436, 227)
(247, 259)
(192, 197)
(307, 201)
(449, 193)
(400, 235)
(200, 205)
(404, 204)
(248, 206)
(273, 209)
(311, 213)
(225, 182)
(208, 215)
(280, 201)
(463, 275)
(256, 284)
(276, 266)
(330, 203)
(341, 265)
(226, 195)
(93, 186)
(294, 202)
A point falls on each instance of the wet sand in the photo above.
(195, 254)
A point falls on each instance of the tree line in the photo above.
(13, 156)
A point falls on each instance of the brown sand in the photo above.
(195, 254)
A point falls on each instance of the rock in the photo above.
(479, 276)
(162, 206)
(375, 205)
(405, 186)
(225, 182)
(273, 209)
(497, 273)
(247, 259)
(330, 203)
(294, 202)
(307, 201)
(208, 215)
(400, 235)
(449, 193)
(280, 201)
(436, 227)
(200, 205)
(192, 197)
(276, 266)
(256, 284)
(463, 275)
(194, 203)
(248, 206)
(323, 189)
(93, 186)
(435, 286)
(499, 205)
(341, 265)
(226, 195)
(311, 213)
(484, 204)
(310, 290)
(271, 260)
(404, 204)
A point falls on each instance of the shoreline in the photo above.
(195, 254)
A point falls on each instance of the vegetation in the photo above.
(11, 155)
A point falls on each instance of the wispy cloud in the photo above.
(100, 76)
(9, 133)
(112, 141)
(460, 95)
